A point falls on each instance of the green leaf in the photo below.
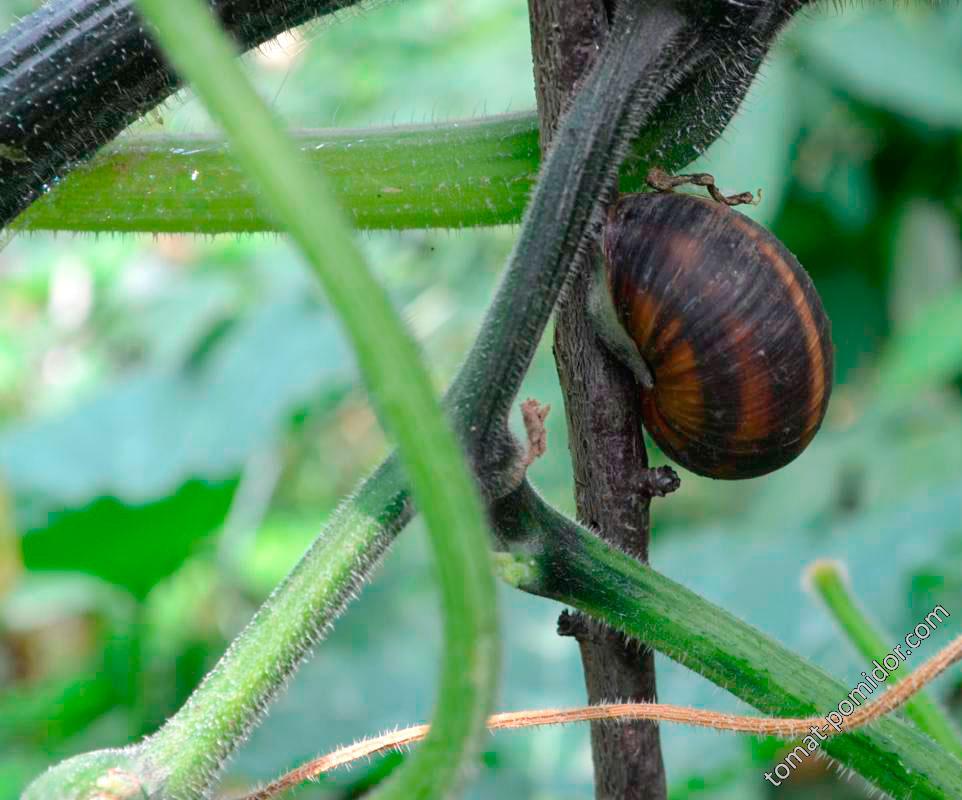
(888, 60)
(926, 353)
(131, 512)
(133, 546)
(926, 261)
(46, 712)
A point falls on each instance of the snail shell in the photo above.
(730, 328)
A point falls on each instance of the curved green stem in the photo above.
(828, 581)
(402, 391)
(558, 558)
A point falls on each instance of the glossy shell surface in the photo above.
(731, 327)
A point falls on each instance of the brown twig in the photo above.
(786, 728)
(604, 428)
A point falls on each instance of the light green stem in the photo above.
(458, 174)
(451, 175)
(389, 361)
(828, 581)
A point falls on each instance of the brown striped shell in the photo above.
(731, 328)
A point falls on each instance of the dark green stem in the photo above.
(77, 72)
(647, 51)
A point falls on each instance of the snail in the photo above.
(721, 326)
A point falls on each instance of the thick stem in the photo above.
(77, 72)
(606, 441)
(559, 559)
(394, 177)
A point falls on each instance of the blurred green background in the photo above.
(178, 418)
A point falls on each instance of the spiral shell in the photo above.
(730, 327)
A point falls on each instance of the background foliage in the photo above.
(177, 419)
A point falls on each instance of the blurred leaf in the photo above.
(55, 710)
(125, 484)
(420, 46)
(133, 546)
(280, 541)
(10, 562)
(737, 781)
(17, 769)
(848, 193)
(170, 322)
(57, 706)
(925, 354)
(888, 60)
(40, 600)
(927, 260)
(877, 459)
(857, 309)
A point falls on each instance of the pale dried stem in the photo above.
(786, 728)
(533, 414)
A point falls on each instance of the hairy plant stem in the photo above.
(191, 747)
(92, 61)
(384, 178)
(605, 438)
(75, 73)
(390, 178)
(559, 559)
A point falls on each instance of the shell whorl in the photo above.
(731, 327)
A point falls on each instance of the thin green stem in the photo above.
(557, 558)
(402, 391)
(827, 580)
